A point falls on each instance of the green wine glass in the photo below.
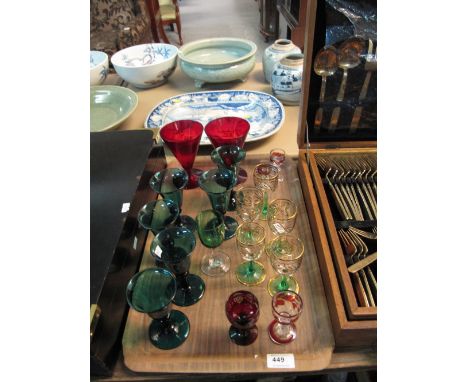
(173, 246)
(285, 253)
(158, 214)
(218, 183)
(250, 239)
(211, 230)
(151, 291)
(169, 183)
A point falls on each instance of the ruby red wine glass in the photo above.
(229, 131)
(183, 138)
(242, 311)
(287, 307)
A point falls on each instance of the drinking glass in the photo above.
(281, 216)
(285, 253)
(158, 214)
(277, 158)
(151, 291)
(242, 311)
(183, 138)
(169, 183)
(173, 246)
(250, 239)
(266, 179)
(218, 183)
(248, 203)
(229, 157)
(211, 230)
(229, 131)
(287, 307)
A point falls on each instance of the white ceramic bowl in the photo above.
(146, 65)
(220, 59)
(99, 67)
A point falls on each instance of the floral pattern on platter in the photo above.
(151, 55)
(263, 111)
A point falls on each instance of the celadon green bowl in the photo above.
(216, 60)
(110, 106)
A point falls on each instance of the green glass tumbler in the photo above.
(157, 215)
(169, 183)
(173, 246)
(218, 183)
(211, 231)
(151, 291)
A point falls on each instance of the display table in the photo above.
(319, 358)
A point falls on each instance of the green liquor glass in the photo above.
(157, 215)
(169, 183)
(250, 239)
(229, 157)
(218, 183)
(211, 230)
(151, 291)
(173, 246)
(285, 253)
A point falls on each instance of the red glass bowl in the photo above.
(183, 138)
(227, 131)
(242, 311)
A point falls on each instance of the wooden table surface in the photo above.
(180, 83)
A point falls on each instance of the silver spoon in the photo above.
(325, 65)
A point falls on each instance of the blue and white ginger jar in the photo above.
(286, 79)
(274, 53)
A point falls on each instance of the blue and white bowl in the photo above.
(146, 65)
(99, 67)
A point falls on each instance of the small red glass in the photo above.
(183, 138)
(277, 158)
(229, 131)
(287, 307)
(242, 311)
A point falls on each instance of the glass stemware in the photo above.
(183, 138)
(282, 215)
(151, 291)
(229, 157)
(266, 179)
(242, 310)
(169, 183)
(277, 158)
(250, 239)
(218, 183)
(228, 131)
(211, 230)
(287, 307)
(248, 203)
(158, 214)
(173, 246)
(285, 253)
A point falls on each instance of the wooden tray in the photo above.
(208, 348)
(347, 331)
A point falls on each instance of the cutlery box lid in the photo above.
(117, 159)
(327, 26)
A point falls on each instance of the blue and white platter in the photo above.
(264, 112)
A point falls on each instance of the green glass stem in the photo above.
(265, 204)
(251, 268)
(283, 285)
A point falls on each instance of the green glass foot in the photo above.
(169, 333)
(189, 292)
(282, 283)
(188, 222)
(231, 227)
(250, 273)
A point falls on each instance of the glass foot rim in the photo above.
(178, 339)
(278, 340)
(260, 268)
(242, 341)
(293, 285)
(221, 269)
(197, 286)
